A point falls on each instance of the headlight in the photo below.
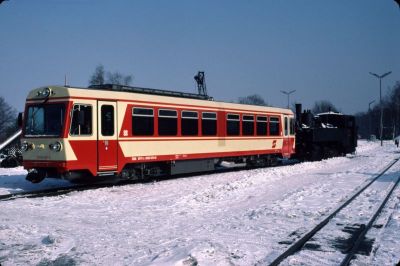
(57, 146)
(27, 146)
(24, 146)
(44, 93)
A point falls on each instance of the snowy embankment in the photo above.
(238, 218)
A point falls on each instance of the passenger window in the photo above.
(262, 122)
(167, 122)
(274, 126)
(142, 122)
(286, 126)
(292, 121)
(81, 120)
(189, 123)
(209, 124)
(107, 120)
(233, 124)
(248, 125)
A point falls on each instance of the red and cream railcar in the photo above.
(133, 132)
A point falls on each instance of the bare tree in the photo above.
(369, 122)
(8, 119)
(114, 78)
(118, 78)
(324, 106)
(254, 99)
(128, 80)
(98, 77)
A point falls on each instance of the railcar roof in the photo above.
(103, 94)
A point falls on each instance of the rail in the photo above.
(51, 192)
(57, 191)
(297, 246)
(361, 236)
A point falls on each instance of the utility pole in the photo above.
(380, 77)
(288, 94)
(369, 115)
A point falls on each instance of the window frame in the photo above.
(190, 118)
(278, 121)
(262, 121)
(71, 116)
(64, 120)
(142, 115)
(209, 118)
(249, 118)
(286, 126)
(144, 108)
(113, 120)
(168, 117)
(234, 120)
(292, 130)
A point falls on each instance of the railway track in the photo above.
(57, 191)
(353, 246)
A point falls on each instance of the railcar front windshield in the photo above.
(45, 120)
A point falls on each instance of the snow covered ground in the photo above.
(235, 218)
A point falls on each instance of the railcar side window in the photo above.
(107, 120)
(274, 126)
(167, 122)
(142, 122)
(233, 125)
(292, 126)
(189, 123)
(248, 125)
(209, 124)
(81, 120)
(262, 122)
(286, 126)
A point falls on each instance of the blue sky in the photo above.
(322, 49)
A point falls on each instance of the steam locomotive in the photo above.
(324, 135)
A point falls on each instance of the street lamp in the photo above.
(369, 113)
(288, 94)
(380, 77)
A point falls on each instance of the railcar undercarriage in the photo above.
(142, 171)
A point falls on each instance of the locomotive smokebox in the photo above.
(298, 113)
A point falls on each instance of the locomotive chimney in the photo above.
(298, 113)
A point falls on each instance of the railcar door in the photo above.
(286, 140)
(107, 144)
